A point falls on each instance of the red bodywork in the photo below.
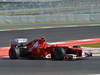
(41, 49)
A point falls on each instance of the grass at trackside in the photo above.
(53, 23)
(65, 23)
(33, 25)
(21, 27)
(95, 45)
(47, 23)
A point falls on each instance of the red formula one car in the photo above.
(39, 48)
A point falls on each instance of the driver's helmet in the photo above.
(39, 40)
(42, 39)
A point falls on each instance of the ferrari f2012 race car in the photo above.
(39, 48)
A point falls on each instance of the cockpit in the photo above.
(35, 44)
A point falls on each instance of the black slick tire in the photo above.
(58, 53)
(14, 53)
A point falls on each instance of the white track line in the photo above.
(46, 27)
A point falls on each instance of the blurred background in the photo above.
(49, 12)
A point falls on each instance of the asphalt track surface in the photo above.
(49, 67)
(52, 34)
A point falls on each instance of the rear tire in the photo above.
(14, 53)
(58, 54)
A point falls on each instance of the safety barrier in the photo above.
(35, 11)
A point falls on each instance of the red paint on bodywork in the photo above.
(4, 51)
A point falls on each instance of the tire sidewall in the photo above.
(58, 54)
(14, 53)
